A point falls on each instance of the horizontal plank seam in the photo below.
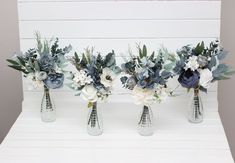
(100, 1)
(135, 19)
(124, 38)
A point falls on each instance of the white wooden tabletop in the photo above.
(175, 139)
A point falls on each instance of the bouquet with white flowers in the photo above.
(95, 75)
(147, 77)
(43, 67)
(198, 67)
(93, 81)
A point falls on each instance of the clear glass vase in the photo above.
(94, 121)
(196, 108)
(145, 125)
(48, 110)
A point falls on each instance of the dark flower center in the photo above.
(108, 77)
(188, 73)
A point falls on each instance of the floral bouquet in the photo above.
(43, 67)
(147, 76)
(93, 81)
(198, 67)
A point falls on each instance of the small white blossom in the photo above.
(81, 78)
(192, 63)
(162, 93)
(205, 78)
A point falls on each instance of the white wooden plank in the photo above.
(121, 46)
(121, 29)
(47, 155)
(120, 10)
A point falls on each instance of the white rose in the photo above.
(205, 78)
(89, 93)
(107, 77)
(143, 96)
(192, 63)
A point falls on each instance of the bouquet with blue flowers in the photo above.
(95, 75)
(43, 65)
(200, 66)
(147, 75)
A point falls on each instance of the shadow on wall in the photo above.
(226, 88)
(11, 83)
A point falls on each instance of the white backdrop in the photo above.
(116, 25)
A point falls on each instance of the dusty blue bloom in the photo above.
(130, 83)
(189, 79)
(46, 62)
(54, 81)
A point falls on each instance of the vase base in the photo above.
(95, 133)
(195, 121)
(48, 120)
(145, 131)
(146, 134)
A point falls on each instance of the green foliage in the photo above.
(222, 72)
(199, 48)
(34, 59)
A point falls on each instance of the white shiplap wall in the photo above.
(119, 24)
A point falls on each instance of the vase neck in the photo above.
(94, 105)
(46, 90)
(146, 107)
(196, 91)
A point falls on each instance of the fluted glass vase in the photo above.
(48, 110)
(196, 108)
(145, 124)
(94, 121)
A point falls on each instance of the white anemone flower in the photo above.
(107, 77)
(162, 93)
(33, 82)
(41, 75)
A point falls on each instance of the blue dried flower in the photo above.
(189, 79)
(130, 83)
(46, 62)
(54, 81)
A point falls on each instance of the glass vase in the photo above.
(94, 121)
(145, 125)
(48, 110)
(196, 108)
